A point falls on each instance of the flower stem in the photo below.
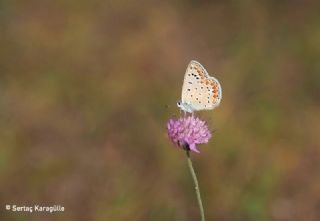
(195, 180)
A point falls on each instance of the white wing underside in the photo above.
(199, 91)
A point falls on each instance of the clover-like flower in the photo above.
(187, 132)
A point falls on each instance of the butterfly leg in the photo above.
(183, 112)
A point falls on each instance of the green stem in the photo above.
(195, 180)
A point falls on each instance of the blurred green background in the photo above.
(86, 89)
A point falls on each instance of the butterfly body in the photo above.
(186, 107)
(200, 91)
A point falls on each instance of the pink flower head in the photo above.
(187, 132)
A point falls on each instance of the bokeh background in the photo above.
(86, 89)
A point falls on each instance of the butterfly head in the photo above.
(185, 107)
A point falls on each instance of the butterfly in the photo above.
(199, 91)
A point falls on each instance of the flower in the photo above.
(187, 132)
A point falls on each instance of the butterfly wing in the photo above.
(200, 91)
